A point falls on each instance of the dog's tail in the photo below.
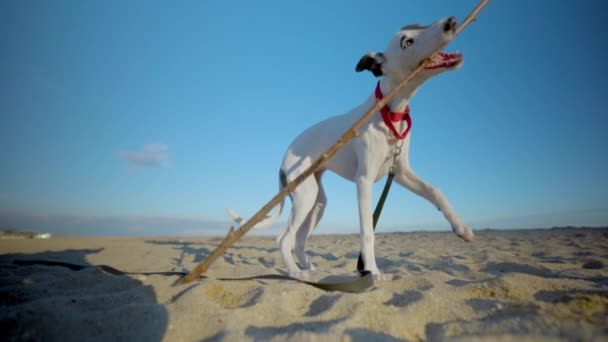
(269, 220)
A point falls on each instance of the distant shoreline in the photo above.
(12, 234)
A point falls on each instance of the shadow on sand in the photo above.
(57, 303)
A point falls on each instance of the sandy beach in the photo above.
(536, 285)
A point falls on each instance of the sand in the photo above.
(536, 285)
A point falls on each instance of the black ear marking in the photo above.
(371, 61)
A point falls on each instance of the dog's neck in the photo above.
(401, 100)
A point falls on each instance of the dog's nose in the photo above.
(450, 24)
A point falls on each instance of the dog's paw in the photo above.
(377, 274)
(310, 267)
(305, 264)
(465, 233)
(380, 276)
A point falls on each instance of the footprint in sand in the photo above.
(265, 333)
(404, 299)
(267, 262)
(234, 297)
(322, 304)
(593, 265)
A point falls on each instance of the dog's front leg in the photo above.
(406, 177)
(364, 197)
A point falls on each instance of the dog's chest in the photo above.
(388, 161)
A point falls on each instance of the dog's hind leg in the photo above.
(303, 199)
(310, 224)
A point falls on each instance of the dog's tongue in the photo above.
(444, 60)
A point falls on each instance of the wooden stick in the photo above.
(234, 235)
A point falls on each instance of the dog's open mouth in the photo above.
(445, 60)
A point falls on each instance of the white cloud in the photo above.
(151, 155)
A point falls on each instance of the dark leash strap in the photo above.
(76, 267)
(376, 216)
(356, 284)
(351, 284)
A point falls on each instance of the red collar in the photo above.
(391, 117)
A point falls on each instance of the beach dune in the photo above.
(537, 285)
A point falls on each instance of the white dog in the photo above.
(368, 157)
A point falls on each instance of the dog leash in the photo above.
(361, 283)
(352, 285)
(356, 285)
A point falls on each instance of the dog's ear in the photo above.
(371, 61)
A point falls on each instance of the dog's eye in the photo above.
(405, 42)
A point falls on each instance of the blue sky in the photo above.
(145, 117)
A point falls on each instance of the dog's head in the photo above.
(411, 46)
